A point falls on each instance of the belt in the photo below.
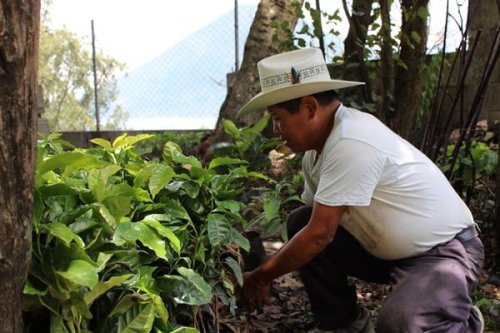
(468, 233)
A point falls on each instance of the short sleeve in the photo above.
(350, 174)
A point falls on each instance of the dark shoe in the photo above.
(361, 325)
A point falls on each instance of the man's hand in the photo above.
(297, 252)
(255, 291)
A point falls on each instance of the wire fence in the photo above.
(184, 86)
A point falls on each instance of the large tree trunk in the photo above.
(385, 104)
(410, 72)
(360, 19)
(259, 45)
(484, 15)
(19, 31)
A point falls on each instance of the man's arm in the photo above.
(297, 252)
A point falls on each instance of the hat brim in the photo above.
(272, 97)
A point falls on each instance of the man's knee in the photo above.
(298, 219)
(395, 319)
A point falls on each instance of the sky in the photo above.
(134, 31)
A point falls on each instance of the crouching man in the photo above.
(377, 209)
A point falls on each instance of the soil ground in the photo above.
(289, 311)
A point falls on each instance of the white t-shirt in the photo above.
(400, 203)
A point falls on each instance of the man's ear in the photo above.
(310, 104)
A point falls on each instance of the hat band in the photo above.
(286, 78)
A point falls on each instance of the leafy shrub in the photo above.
(267, 202)
(478, 161)
(187, 140)
(121, 244)
(248, 143)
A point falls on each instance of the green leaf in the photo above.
(184, 329)
(165, 232)
(69, 161)
(103, 143)
(129, 141)
(118, 206)
(230, 128)
(78, 308)
(160, 177)
(271, 209)
(38, 209)
(258, 175)
(141, 195)
(137, 231)
(160, 308)
(142, 177)
(102, 259)
(240, 240)
(174, 209)
(80, 272)
(233, 264)
(221, 161)
(146, 281)
(105, 214)
(172, 154)
(199, 253)
(98, 178)
(63, 232)
(118, 142)
(170, 150)
(195, 290)
(29, 289)
(56, 189)
(159, 217)
(261, 124)
(231, 205)
(57, 324)
(127, 302)
(138, 319)
(104, 286)
(192, 188)
(218, 229)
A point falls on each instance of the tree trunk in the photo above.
(19, 32)
(484, 15)
(410, 72)
(360, 19)
(386, 62)
(259, 45)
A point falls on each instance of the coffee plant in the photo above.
(122, 244)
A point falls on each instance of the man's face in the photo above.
(292, 127)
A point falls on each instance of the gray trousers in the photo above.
(430, 292)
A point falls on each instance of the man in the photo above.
(376, 209)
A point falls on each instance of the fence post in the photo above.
(97, 120)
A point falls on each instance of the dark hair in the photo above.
(323, 98)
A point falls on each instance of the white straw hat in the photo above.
(291, 75)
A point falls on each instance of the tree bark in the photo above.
(386, 62)
(410, 72)
(259, 45)
(19, 33)
(359, 19)
(484, 15)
